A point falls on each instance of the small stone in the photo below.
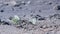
(31, 15)
(55, 16)
(41, 26)
(56, 26)
(24, 3)
(2, 11)
(41, 19)
(24, 16)
(10, 18)
(6, 23)
(50, 3)
(38, 15)
(39, 10)
(7, 4)
(57, 7)
(33, 20)
(20, 26)
(20, 7)
(0, 20)
(58, 18)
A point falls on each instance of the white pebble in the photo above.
(33, 20)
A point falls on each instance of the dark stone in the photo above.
(50, 26)
(56, 26)
(20, 7)
(50, 17)
(50, 3)
(41, 19)
(0, 20)
(25, 28)
(38, 15)
(21, 26)
(2, 11)
(39, 10)
(41, 26)
(12, 9)
(23, 21)
(7, 4)
(58, 7)
(30, 22)
(31, 15)
(58, 18)
(24, 3)
(10, 18)
(6, 23)
(44, 27)
(55, 16)
(24, 15)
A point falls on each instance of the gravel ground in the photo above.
(33, 16)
